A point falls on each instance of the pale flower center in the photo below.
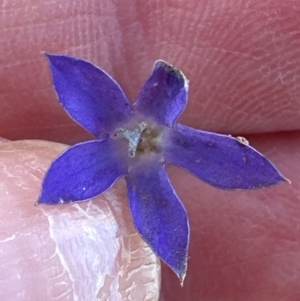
(143, 139)
(133, 137)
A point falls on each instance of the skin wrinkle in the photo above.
(21, 240)
(60, 266)
(285, 276)
(137, 262)
(231, 249)
(215, 116)
(260, 29)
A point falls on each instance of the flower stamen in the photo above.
(133, 137)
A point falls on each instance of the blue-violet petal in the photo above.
(159, 216)
(88, 94)
(164, 95)
(219, 160)
(83, 171)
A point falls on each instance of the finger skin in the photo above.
(244, 244)
(241, 58)
(87, 251)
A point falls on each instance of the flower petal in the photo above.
(219, 160)
(88, 94)
(82, 172)
(159, 216)
(164, 95)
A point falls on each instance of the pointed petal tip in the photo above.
(168, 66)
(47, 54)
(51, 58)
(39, 200)
(281, 179)
(181, 272)
(181, 277)
(159, 216)
(164, 95)
(242, 166)
(90, 96)
(287, 180)
(276, 181)
(55, 58)
(43, 201)
(182, 280)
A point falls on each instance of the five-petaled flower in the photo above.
(137, 141)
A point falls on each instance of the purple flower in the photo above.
(137, 141)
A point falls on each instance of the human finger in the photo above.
(82, 251)
(244, 244)
(241, 59)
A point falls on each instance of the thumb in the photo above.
(83, 251)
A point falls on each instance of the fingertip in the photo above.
(48, 251)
